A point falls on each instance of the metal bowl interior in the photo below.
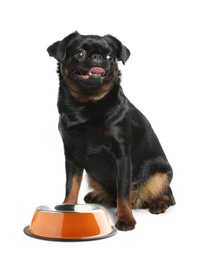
(70, 222)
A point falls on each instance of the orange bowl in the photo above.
(70, 222)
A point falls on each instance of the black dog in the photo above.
(105, 134)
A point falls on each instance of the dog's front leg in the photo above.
(74, 175)
(125, 219)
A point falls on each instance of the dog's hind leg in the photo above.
(154, 194)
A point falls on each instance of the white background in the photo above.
(170, 77)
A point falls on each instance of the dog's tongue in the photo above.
(97, 70)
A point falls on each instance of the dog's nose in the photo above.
(97, 57)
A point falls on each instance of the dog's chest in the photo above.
(89, 141)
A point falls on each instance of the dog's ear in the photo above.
(122, 51)
(58, 49)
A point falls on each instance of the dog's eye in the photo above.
(110, 57)
(80, 55)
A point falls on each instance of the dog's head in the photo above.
(88, 63)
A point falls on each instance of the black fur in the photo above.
(102, 131)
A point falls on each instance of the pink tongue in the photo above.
(97, 70)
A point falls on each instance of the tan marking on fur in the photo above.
(109, 132)
(64, 71)
(75, 90)
(124, 207)
(169, 199)
(125, 218)
(82, 98)
(150, 190)
(77, 93)
(165, 198)
(103, 91)
(99, 192)
(72, 198)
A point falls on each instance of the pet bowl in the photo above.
(70, 222)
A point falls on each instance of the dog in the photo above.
(104, 134)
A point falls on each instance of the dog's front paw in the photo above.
(125, 223)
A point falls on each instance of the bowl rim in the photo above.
(72, 208)
(112, 233)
